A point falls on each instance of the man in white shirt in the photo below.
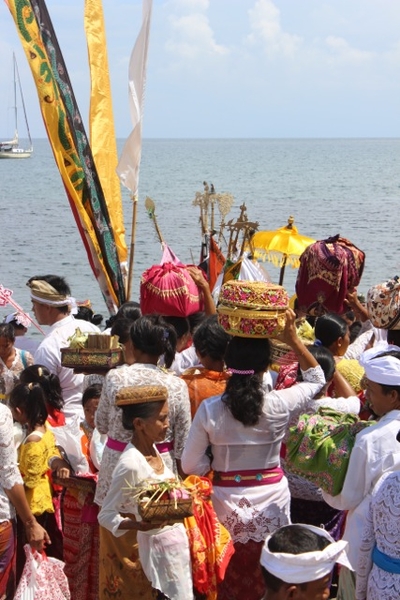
(51, 305)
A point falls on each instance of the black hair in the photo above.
(354, 330)
(393, 337)
(92, 391)
(152, 335)
(110, 321)
(210, 339)
(59, 284)
(196, 319)
(32, 400)
(329, 328)
(17, 326)
(86, 314)
(144, 410)
(292, 539)
(122, 328)
(49, 383)
(180, 324)
(325, 359)
(7, 331)
(385, 387)
(129, 310)
(244, 395)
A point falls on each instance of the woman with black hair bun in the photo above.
(332, 332)
(152, 338)
(244, 429)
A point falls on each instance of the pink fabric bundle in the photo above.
(168, 289)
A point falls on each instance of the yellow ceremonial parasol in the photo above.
(281, 247)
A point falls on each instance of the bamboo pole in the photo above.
(132, 246)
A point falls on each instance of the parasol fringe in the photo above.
(277, 258)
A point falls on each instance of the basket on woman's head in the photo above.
(140, 394)
(252, 308)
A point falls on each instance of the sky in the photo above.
(234, 68)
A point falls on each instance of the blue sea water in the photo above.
(346, 186)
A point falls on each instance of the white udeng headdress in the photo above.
(381, 369)
(308, 566)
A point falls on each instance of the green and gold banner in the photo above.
(70, 145)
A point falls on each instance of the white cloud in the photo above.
(191, 33)
(340, 49)
(190, 5)
(266, 27)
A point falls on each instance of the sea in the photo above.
(329, 186)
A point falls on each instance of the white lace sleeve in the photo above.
(9, 472)
(383, 529)
(364, 558)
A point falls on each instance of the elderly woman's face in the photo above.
(155, 427)
(6, 347)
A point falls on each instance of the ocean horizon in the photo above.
(340, 185)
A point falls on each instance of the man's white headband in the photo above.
(308, 566)
(381, 369)
(44, 293)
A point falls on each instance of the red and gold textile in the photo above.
(81, 545)
(328, 270)
(211, 545)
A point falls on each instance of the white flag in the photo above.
(129, 162)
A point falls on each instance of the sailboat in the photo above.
(11, 148)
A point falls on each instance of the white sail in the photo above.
(11, 148)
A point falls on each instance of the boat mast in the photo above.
(16, 76)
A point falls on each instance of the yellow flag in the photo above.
(101, 121)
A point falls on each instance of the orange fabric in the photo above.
(216, 263)
(203, 384)
(210, 543)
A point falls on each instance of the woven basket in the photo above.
(83, 358)
(251, 323)
(83, 484)
(166, 510)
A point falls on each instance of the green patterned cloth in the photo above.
(319, 447)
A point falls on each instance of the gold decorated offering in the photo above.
(92, 352)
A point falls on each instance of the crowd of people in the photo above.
(192, 400)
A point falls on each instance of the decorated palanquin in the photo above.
(329, 269)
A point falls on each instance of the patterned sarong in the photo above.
(8, 542)
(81, 546)
(120, 569)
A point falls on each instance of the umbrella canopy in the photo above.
(282, 246)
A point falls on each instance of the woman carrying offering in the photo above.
(244, 429)
(135, 546)
(151, 338)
